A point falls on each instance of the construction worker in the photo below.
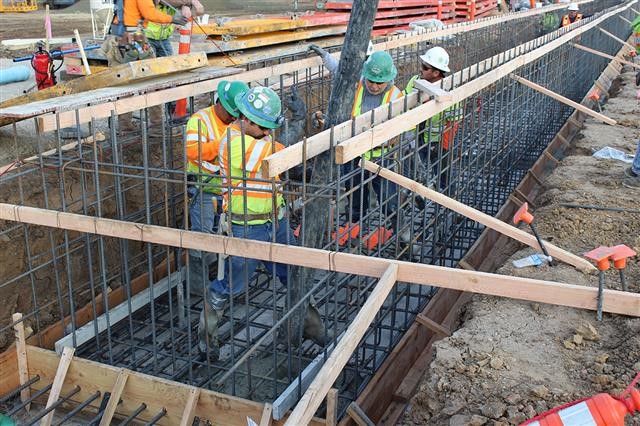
(203, 133)
(437, 133)
(572, 16)
(158, 34)
(254, 210)
(375, 88)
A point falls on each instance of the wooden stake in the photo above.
(477, 215)
(332, 407)
(47, 22)
(312, 398)
(604, 55)
(432, 325)
(602, 30)
(360, 417)
(190, 407)
(562, 99)
(114, 399)
(21, 350)
(85, 62)
(266, 415)
(58, 381)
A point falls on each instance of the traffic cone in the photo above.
(183, 47)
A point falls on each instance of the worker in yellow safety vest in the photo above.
(254, 205)
(437, 133)
(572, 16)
(375, 88)
(203, 134)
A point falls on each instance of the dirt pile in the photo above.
(512, 360)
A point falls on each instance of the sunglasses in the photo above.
(427, 67)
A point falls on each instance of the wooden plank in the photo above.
(432, 325)
(21, 353)
(477, 282)
(118, 313)
(478, 216)
(332, 407)
(604, 55)
(114, 399)
(220, 409)
(58, 381)
(433, 89)
(312, 398)
(266, 419)
(359, 144)
(9, 370)
(564, 100)
(624, 19)
(629, 45)
(190, 408)
(358, 415)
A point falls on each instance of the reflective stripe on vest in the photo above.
(203, 128)
(566, 21)
(240, 173)
(357, 110)
(157, 31)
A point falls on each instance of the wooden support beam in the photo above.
(312, 398)
(190, 408)
(21, 352)
(629, 45)
(624, 19)
(635, 11)
(604, 55)
(114, 399)
(432, 325)
(566, 101)
(478, 216)
(58, 381)
(359, 144)
(358, 415)
(266, 419)
(477, 282)
(332, 407)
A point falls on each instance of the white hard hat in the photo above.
(436, 57)
(573, 6)
(370, 49)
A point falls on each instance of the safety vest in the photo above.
(202, 152)
(243, 185)
(391, 94)
(635, 26)
(157, 31)
(566, 21)
(443, 125)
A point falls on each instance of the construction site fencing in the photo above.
(137, 305)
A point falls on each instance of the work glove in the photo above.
(296, 105)
(317, 50)
(179, 19)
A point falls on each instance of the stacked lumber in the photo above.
(468, 10)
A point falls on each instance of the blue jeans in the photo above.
(635, 167)
(202, 215)
(385, 191)
(161, 47)
(240, 269)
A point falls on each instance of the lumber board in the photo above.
(604, 55)
(9, 370)
(279, 37)
(478, 216)
(114, 398)
(266, 419)
(313, 397)
(172, 94)
(190, 408)
(91, 376)
(118, 313)
(58, 382)
(378, 135)
(629, 45)
(21, 355)
(358, 415)
(332, 407)
(432, 325)
(477, 282)
(121, 74)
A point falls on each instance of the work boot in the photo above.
(314, 328)
(208, 332)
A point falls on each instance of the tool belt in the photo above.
(235, 217)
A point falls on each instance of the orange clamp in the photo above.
(376, 238)
(620, 255)
(594, 95)
(346, 232)
(600, 256)
(523, 215)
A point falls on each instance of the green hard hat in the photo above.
(227, 92)
(379, 68)
(262, 106)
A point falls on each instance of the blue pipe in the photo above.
(13, 74)
(57, 53)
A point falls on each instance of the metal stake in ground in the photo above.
(620, 255)
(601, 257)
(523, 215)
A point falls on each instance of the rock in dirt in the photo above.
(541, 391)
(494, 409)
(496, 363)
(459, 420)
(477, 420)
(588, 332)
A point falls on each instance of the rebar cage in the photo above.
(59, 277)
